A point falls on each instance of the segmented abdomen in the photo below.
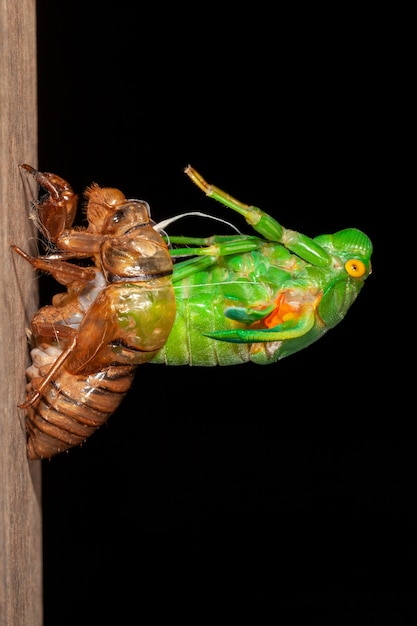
(72, 406)
(201, 302)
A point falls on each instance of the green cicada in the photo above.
(259, 297)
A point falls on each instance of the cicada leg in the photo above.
(208, 254)
(299, 323)
(52, 322)
(264, 224)
(65, 273)
(57, 211)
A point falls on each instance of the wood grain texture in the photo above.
(20, 492)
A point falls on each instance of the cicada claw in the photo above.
(31, 401)
(55, 212)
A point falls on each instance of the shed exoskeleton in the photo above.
(116, 313)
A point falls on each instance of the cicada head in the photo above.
(353, 248)
(102, 203)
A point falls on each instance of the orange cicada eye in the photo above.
(355, 268)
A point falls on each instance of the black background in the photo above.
(223, 489)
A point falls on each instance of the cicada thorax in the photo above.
(115, 315)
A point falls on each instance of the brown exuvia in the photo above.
(117, 311)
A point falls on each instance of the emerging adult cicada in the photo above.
(116, 313)
(238, 298)
(259, 298)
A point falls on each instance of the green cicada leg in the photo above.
(286, 330)
(298, 324)
(264, 224)
(211, 249)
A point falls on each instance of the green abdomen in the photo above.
(200, 313)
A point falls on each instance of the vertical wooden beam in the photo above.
(20, 490)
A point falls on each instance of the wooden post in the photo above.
(20, 492)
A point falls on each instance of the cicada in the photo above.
(259, 297)
(221, 300)
(116, 313)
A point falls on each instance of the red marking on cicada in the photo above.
(283, 312)
(289, 305)
(84, 354)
